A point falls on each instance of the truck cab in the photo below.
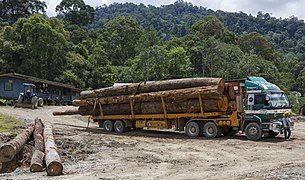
(264, 108)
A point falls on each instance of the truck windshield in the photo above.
(279, 100)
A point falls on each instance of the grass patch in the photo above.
(9, 124)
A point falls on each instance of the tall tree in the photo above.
(12, 10)
(35, 46)
(76, 12)
(120, 38)
(257, 44)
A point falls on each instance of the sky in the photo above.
(278, 8)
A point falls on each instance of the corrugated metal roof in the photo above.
(38, 80)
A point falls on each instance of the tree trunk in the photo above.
(53, 162)
(154, 86)
(67, 112)
(38, 155)
(172, 106)
(207, 92)
(10, 149)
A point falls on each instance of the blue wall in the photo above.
(17, 88)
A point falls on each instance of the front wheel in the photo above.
(253, 131)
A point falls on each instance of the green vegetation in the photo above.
(132, 43)
(9, 124)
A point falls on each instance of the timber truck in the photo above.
(252, 106)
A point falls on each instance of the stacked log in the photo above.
(53, 161)
(153, 86)
(11, 148)
(38, 155)
(153, 97)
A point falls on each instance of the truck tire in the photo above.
(40, 102)
(108, 125)
(34, 102)
(273, 134)
(193, 129)
(253, 131)
(210, 130)
(101, 124)
(119, 126)
(20, 98)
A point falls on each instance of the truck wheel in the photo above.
(20, 98)
(193, 129)
(273, 134)
(40, 102)
(119, 126)
(34, 102)
(101, 124)
(253, 131)
(108, 126)
(210, 130)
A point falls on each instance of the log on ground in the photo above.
(38, 155)
(11, 148)
(53, 161)
(153, 86)
(67, 112)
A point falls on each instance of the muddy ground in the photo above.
(89, 153)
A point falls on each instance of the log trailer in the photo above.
(257, 109)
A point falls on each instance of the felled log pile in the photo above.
(153, 97)
(44, 150)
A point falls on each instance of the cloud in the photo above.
(278, 8)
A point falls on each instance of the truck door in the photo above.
(256, 101)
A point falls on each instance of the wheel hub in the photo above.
(253, 131)
(210, 130)
(193, 129)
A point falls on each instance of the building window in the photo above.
(8, 86)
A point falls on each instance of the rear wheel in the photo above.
(210, 130)
(253, 131)
(193, 129)
(108, 126)
(101, 124)
(119, 126)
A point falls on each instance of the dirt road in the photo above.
(93, 154)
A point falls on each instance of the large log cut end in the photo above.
(7, 152)
(10, 149)
(38, 155)
(37, 161)
(53, 161)
(54, 166)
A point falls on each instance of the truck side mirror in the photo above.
(250, 100)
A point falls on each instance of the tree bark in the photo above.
(38, 155)
(172, 106)
(207, 92)
(53, 161)
(67, 112)
(154, 86)
(10, 149)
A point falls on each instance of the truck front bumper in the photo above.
(276, 126)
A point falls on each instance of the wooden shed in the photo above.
(11, 84)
